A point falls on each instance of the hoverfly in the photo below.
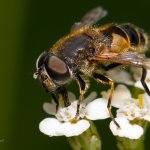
(86, 50)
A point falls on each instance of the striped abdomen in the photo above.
(125, 37)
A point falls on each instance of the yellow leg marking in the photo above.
(61, 100)
(109, 102)
(111, 83)
(79, 103)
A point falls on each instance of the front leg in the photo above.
(64, 94)
(103, 79)
(56, 101)
(82, 87)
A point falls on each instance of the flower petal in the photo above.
(121, 95)
(71, 96)
(90, 97)
(97, 109)
(49, 108)
(49, 126)
(136, 73)
(127, 130)
(132, 110)
(146, 99)
(66, 114)
(120, 76)
(73, 129)
(139, 85)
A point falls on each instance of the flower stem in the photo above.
(89, 140)
(128, 144)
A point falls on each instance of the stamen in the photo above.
(74, 120)
(140, 98)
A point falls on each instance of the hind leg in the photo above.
(103, 79)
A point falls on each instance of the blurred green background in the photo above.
(28, 27)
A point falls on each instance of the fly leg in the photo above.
(62, 92)
(110, 66)
(82, 86)
(103, 79)
(56, 101)
(144, 73)
(65, 97)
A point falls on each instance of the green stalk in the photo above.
(128, 144)
(89, 140)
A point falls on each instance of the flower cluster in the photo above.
(128, 110)
(64, 123)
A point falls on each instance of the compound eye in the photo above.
(57, 69)
(57, 65)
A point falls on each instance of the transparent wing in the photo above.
(90, 18)
(125, 58)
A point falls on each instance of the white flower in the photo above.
(129, 109)
(126, 129)
(132, 110)
(53, 127)
(64, 123)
